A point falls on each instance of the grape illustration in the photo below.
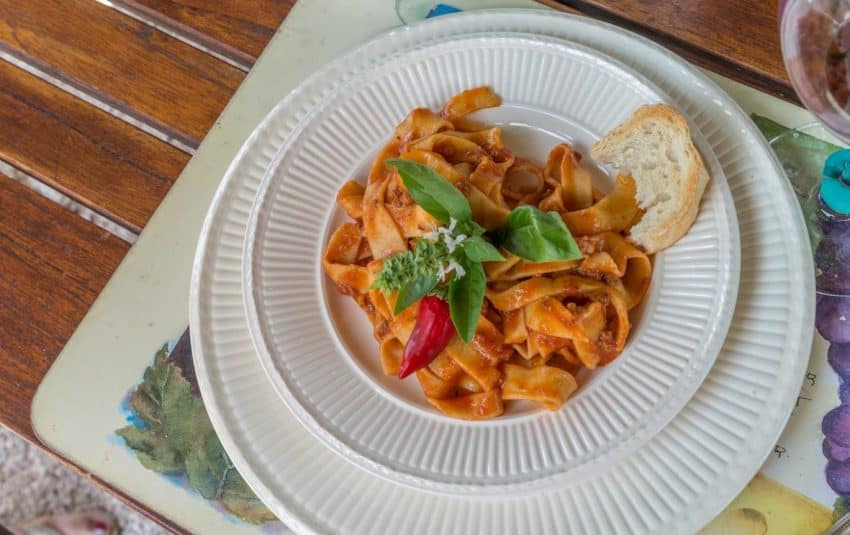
(836, 425)
(834, 280)
(825, 253)
(833, 249)
(832, 318)
(844, 393)
(838, 357)
(835, 230)
(838, 477)
(834, 452)
(841, 241)
(832, 306)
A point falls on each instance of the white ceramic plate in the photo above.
(678, 481)
(317, 346)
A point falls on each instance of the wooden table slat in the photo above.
(95, 158)
(239, 30)
(737, 38)
(126, 63)
(53, 264)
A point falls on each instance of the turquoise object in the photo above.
(442, 9)
(835, 186)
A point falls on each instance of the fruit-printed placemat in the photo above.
(122, 399)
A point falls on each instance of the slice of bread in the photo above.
(654, 146)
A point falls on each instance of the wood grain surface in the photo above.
(123, 62)
(52, 266)
(236, 29)
(93, 157)
(53, 263)
(737, 38)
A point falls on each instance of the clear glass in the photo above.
(803, 164)
(815, 37)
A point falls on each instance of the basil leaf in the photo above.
(539, 236)
(477, 249)
(469, 228)
(466, 295)
(414, 291)
(432, 192)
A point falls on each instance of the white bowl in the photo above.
(317, 348)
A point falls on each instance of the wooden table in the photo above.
(102, 104)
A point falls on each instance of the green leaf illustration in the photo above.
(165, 402)
(153, 450)
(840, 508)
(178, 438)
(241, 502)
(213, 475)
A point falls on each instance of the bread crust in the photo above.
(694, 177)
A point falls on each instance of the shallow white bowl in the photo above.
(317, 346)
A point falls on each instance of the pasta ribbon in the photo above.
(545, 385)
(481, 406)
(542, 323)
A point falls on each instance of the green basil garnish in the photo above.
(405, 268)
(432, 192)
(477, 249)
(539, 236)
(414, 291)
(530, 234)
(466, 295)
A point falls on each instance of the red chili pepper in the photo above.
(431, 334)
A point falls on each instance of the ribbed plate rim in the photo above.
(737, 473)
(681, 389)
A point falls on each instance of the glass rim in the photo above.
(804, 129)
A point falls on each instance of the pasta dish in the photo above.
(488, 276)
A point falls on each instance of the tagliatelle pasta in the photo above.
(541, 322)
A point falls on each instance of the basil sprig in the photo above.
(530, 234)
(414, 290)
(432, 192)
(477, 249)
(539, 236)
(466, 295)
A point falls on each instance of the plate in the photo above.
(676, 483)
(317, 346)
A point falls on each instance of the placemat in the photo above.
(121, 400)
